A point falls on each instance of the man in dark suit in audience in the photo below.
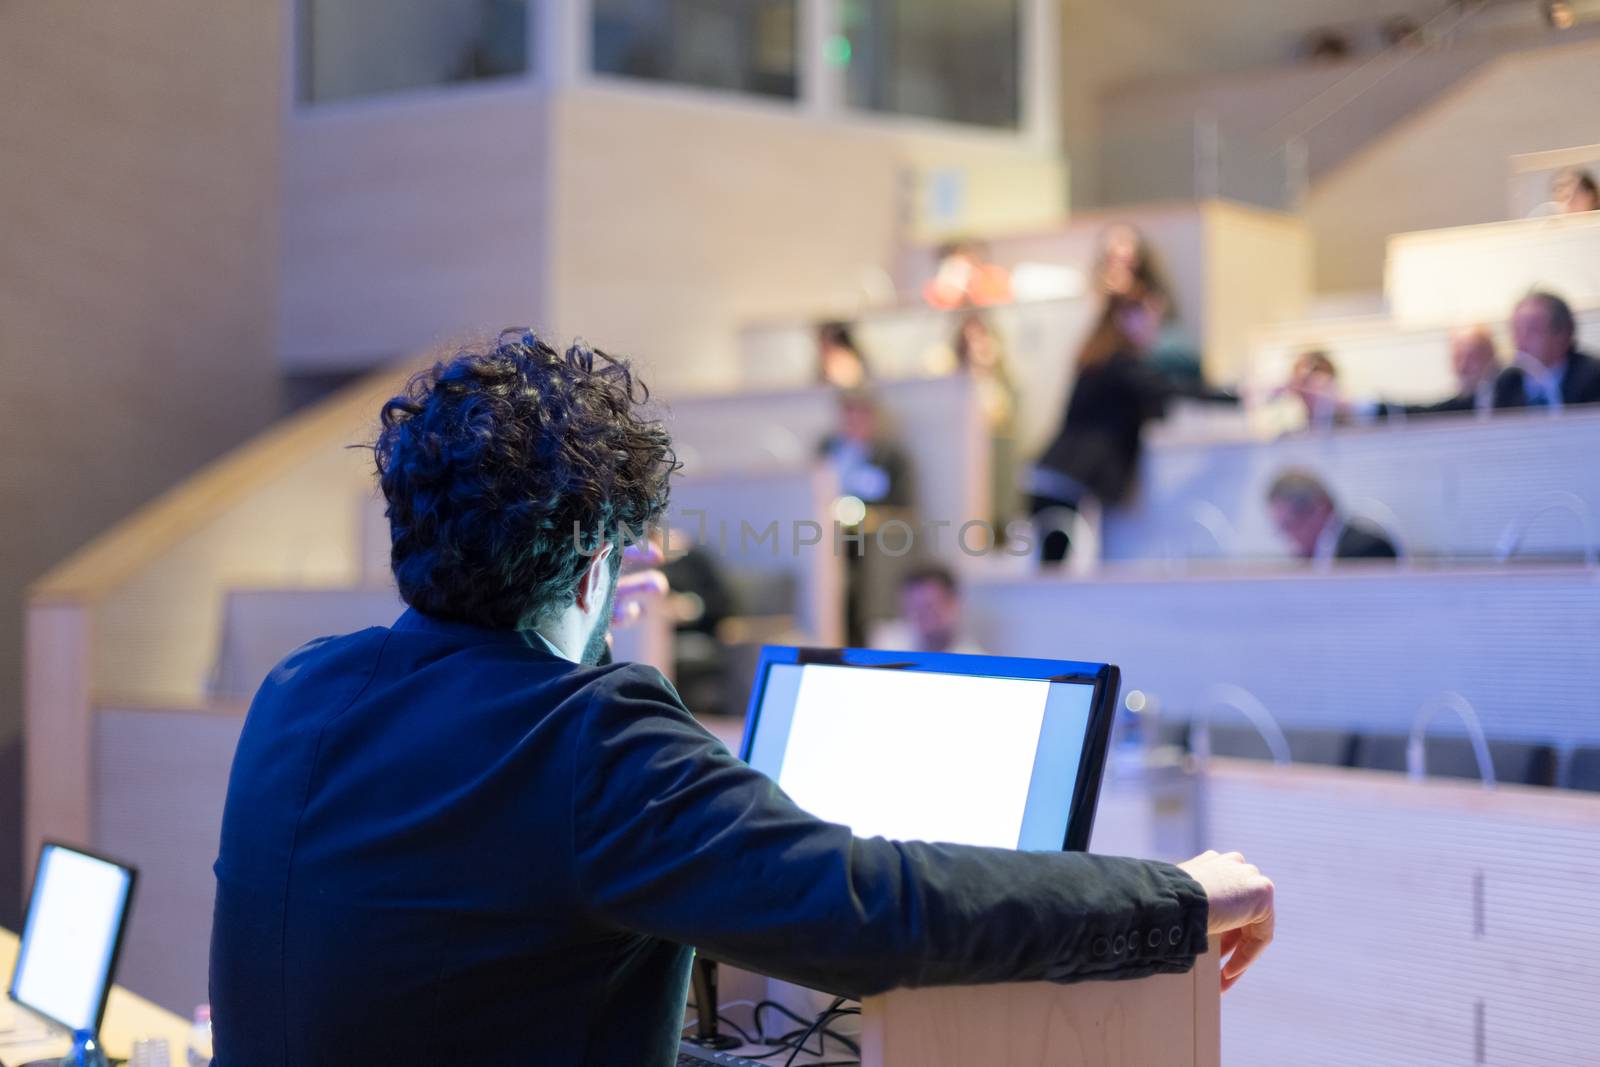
(876, 471)
(1476, 366)
(1549, 370)
(1305, 513)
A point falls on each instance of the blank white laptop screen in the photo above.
(69, 940)
(924, 755)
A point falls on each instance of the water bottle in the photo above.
(86, 1051)
(200, 1038)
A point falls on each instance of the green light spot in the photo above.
(838, 51)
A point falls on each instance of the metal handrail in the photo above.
(1555, 500)
(1213, 521)
(1237, 698)
(1417, 751)
(1298, 123)
(781, 444)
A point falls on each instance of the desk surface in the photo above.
(128, 1018)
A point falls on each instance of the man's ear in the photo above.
(596, 579)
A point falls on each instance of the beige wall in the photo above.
(155, 635)
(674, 222)
(137, 244)
(409, 220)
(653, 223)
(1108, 45)
(1448, 164)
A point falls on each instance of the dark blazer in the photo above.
(1458, 403)
(884, 455)
(1357, 541)
(1580, 383)
(448, 845)
(1101, 437)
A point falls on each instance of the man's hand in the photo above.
(1241, 911)
(640, 579)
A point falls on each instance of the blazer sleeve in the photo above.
(1508, 391)
(674, 837)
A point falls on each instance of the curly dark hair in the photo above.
(505, 468)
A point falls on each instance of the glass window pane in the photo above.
(744, 45)
(956, 60)
(366, 47)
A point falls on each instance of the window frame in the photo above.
(567, 61)
(561, 58)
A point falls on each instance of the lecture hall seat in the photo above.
(1584, 771)
(1329, 748)
(1516, 762)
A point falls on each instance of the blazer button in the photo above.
(1101, 947)
(1175, 936)
(1119, 946)
(1133, 941)
(1154, 941)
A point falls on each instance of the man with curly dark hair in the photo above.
(512, 478)
(460, 839)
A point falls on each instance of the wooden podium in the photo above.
(1164, 1021)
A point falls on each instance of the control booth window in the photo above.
(352, 48)
(953, 60)
(746, 46)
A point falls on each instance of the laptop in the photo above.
(915, 746)
(67, 954)
(974, 750)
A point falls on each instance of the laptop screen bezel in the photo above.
(106, 979)
(1102, 677)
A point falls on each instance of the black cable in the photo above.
(760, 1030)
(789, 1043)
(793, 1042)
(820, 1021)
(848, 1042)
(778, 1044)
(783, 1044)
(786, 1039)
(736, 1028)
(826, 1032)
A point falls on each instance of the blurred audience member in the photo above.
(977, 351)
(1326, 46)
(1549, 371)
(1097, 448)
(871, 467)
(966, 278)
(1305, 514)
(699, 599)
(839, 362)
(1475, 364)
(931, 617)
(1126, 266)
(1574, 189)
(1314, 381)
(1402, 31)
(874, 485)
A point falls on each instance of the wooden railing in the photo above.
(133, 618)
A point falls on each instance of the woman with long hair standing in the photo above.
(1096, 450)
